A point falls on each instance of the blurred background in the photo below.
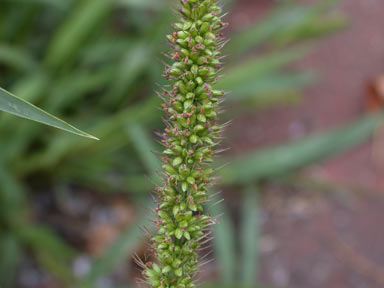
(303, 188)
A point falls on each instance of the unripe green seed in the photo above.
(187, 235)
(184, 186)
(193, 139)
(178, 233)
(177, 161)
(176, 210)
(204, 27)
(191, 180)
(201, 118)
(166, 269)
(188, 104)
(178, 272)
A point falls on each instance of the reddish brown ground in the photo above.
(335, 239)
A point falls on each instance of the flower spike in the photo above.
(191, 107)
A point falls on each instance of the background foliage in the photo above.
(93, 63)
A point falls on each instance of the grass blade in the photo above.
(19, 107)
(282, 159)
(285, 20)
(131, 67)
(10, 252)
(144, 4)
(249, 236)
(314, 27)
(73, 88)
(16, 58)
(260, 32)
(247, 70)
(57, 4)
(258, 78)
(144, 146)
(272, 85)
(224, 242)
(69, 37)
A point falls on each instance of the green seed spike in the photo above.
(191, 107)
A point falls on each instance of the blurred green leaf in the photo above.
(259, 76)
(31, 87)
(260, 88)
(11, 197)
(144, 146)
(223, 241)
(10, 252)
(107, 50)
(288, 18)
(16, 58)
(87, 14)
(144, 4)
(12, 213)
(269, 99)
(313, 27)
(269, 162)
(249, 236)
(132, 65)
(60, 4)
(72, 88)
(109, 129)
(19, 107)
(265, 64)
(15, 23)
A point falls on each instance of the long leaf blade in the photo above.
(271, 162)
(69, 37)
(224, 242)
(10, 256)
(250, 231)
(144, 147)
(19, 107)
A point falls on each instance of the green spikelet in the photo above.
(191, 107)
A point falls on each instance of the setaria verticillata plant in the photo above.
(191, 106)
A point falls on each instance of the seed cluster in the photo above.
(191, 106)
